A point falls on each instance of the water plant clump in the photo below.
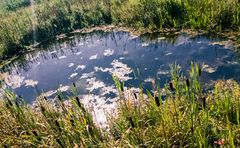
(179, 115)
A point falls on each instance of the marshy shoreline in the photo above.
(181, 113)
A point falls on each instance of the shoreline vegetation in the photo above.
(24, 24)
(230, 36)
(179, 115)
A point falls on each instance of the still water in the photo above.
(90, 60)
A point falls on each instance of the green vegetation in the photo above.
(179, 115)
(197, 14)
(45, 20)
(11, 5)
(51, 18)
(186, 118)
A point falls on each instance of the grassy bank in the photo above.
(18, 23)
(46, 19)
(179, 115)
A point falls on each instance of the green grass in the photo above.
(178, 115)
(51, 18)
(62, 16)
(197, 14)
(12, 5)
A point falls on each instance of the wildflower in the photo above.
(68, 104)
(220, 142)
(153, 83)
(76, 145)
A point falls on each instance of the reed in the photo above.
(186, 118)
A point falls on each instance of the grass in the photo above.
(178, 115)
(12, 5)
(50, 19)
(61, 16)
(201, 14)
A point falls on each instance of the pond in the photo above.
(90, 60)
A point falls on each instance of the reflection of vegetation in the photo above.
(186, 118)
(170, 38)
(23, 63)
(59, 16)
(15, 64)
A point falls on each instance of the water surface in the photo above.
(91, 59)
